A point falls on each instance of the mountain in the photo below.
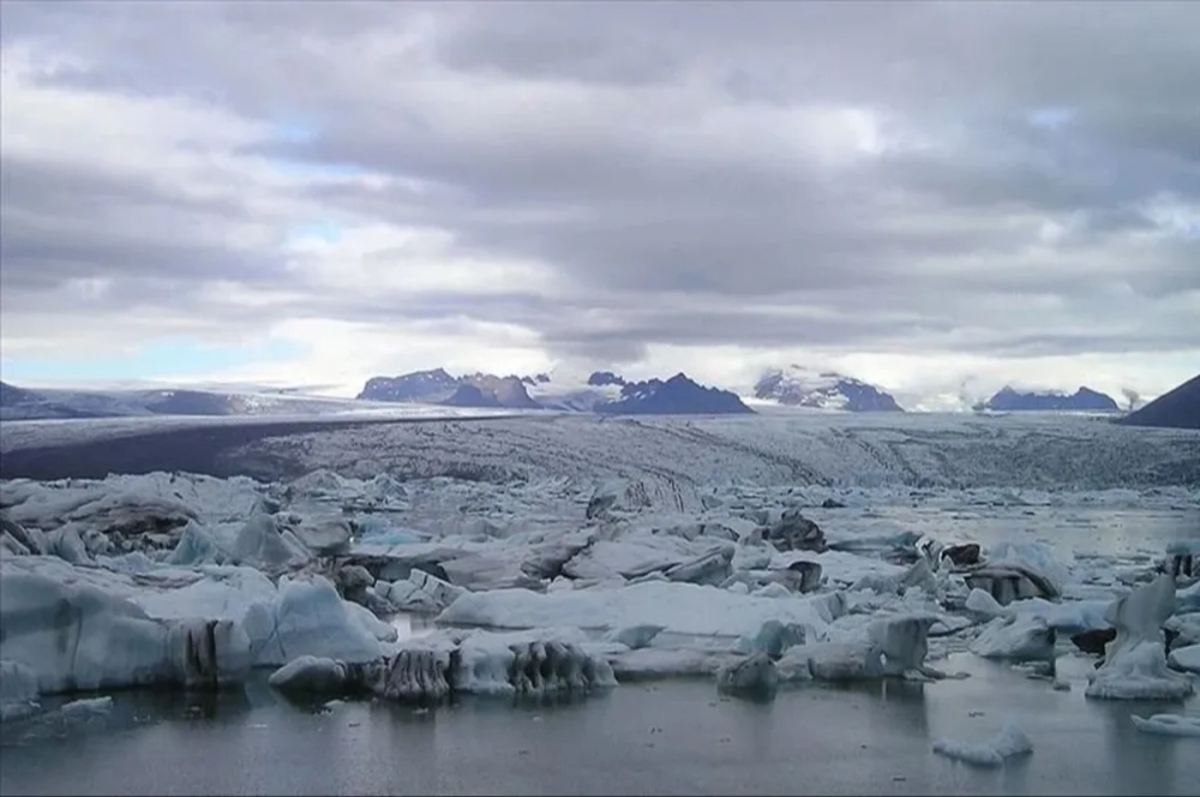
(468, 395)
(795, 386)
(424, 386)
(679, 395)
(508, 391)
(11, 395)
(604, 379)
(439, 387)
(1179, 408)
(1082, 400)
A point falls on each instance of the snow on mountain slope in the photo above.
(801, 387)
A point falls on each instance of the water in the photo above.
(670, 737)
(1125, 535)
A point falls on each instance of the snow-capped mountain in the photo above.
(610, 393)
(439, 387)
(1180, 408)
(1084, 399)
(800, 387)
(678, 395)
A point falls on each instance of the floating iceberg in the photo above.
(1011, 741)
(1135, 662)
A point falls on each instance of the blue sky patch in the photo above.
(164, 358)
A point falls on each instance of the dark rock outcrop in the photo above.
(1179, 409)
(1093, 641)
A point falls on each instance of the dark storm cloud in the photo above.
(659, 156)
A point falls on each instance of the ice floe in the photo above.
(1009, 742)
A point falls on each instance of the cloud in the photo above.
(881, 185)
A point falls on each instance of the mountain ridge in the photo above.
(1179, 408)
(796, 386)
(1009, 399)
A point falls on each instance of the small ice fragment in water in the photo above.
(1168, 724)
(1011, 741)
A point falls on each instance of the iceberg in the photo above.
(1168, 725)
(1135, 662)
(1011, 741)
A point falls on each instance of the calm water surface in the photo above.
(670, 737)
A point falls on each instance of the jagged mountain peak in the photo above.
(798, 386)
(1085, 399)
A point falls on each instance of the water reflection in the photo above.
(674, 736)
(1139, 763)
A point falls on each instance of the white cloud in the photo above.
(940, 198)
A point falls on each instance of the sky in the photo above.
(938, 197)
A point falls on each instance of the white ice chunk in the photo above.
(196, 546)
(983, 604)
(773, 639)
(261, 543)
(222, 593)
(648, 663)
(1011, 741)
(1017, 638)
(66, 544)
(18, 690)
(81, 638)
(1135, 662)
(1034, 558)
(1168, 724)
(1187, 658)
(832, 661)
(773, 590)
(420, 592)
(680, 608)
(635, 637)
(79, 710)
(753, 675)
(627, 558)
(752, 557)
(310, 674)
(307, 617)
(367, 620)
(1189, 598)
